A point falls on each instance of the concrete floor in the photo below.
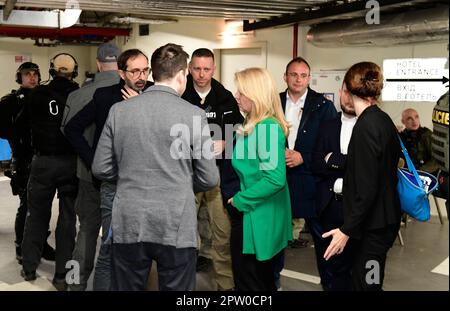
(408, 268)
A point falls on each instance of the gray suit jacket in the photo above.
(80, 98)
(153, 144)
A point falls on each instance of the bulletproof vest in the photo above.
(14, 122)
(47, 107)
(439, 141)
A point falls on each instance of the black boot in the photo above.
(48, 252)
(28, 275)
(59, 281)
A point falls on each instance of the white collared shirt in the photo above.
(348, 122)
(293, 115)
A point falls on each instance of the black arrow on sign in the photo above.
(443, 80)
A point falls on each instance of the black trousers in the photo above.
(19, 187)
(48, 175)
(335, 273)
(131, 265)
(249, 273)
(21, 215)
(370, 258)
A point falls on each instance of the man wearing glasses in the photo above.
(134, 71)
(304, 109)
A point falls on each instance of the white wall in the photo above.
(196, 33)
(191, 34)
(39, 55)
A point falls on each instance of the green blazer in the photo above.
(259, 161)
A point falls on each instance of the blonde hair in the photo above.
(258, 85)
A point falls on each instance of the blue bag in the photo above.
(5, 150)
(413, 189)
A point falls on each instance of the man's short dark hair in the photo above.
(203, 52)
(298, 60)
(126, 55)
(167, 60)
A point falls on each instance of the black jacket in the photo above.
(328, 140)
(418, 144)
(46, 108)
(302, 186)
(221, 109)
(96, 111)
(370, 183)
(15, 124)
(220, 105)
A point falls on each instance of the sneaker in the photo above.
(28, 275)
(48, 252)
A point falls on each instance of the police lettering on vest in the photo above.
(440, 117)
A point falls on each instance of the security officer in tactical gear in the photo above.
(222, 111)
(53, 169)
(440, 146)
(15, 128)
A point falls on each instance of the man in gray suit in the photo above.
(87, 204)
(159, 148)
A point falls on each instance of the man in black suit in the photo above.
(328, 165)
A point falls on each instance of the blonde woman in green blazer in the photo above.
(259, 161)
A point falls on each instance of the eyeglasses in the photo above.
(296, 75)
(136, 73)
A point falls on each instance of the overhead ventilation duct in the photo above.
(420, 26)
(72, 34)
(45, 19)
(127, 20)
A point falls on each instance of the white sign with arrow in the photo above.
(414, 79)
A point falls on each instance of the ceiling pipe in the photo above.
(127, 20)
(72, 32)
(295, 41)
(8, 7)
(429, 25)
(46, 19)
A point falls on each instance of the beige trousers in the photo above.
(215, 240)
